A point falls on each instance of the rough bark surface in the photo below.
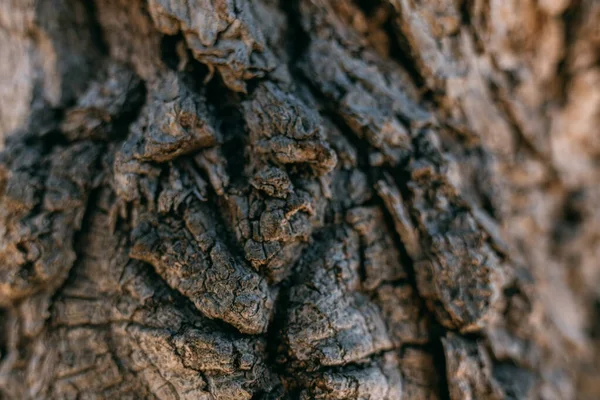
(306, 199)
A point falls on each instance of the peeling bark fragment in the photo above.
(222, 34)
(376, 380)
(345, 326)
(380, 258)
(275, 220)
(206, 273)
(273, 231)
(178, 122)
(43, 198)
(103, 107)
(284, 150)
(286, 130)
(273, 181)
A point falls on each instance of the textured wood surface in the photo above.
(304, 199)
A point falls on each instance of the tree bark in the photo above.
(306, 199)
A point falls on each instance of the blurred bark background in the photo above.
(303, 199)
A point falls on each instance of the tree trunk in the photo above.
(307, 199)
